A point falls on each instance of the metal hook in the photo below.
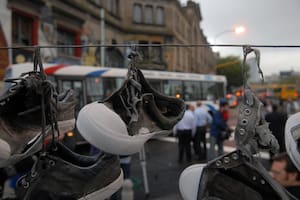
(37, 62)
(247, 50)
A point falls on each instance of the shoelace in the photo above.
(48, 100)
(133, 91)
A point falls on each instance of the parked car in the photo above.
(232, 100)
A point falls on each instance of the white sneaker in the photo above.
(133, 114)
(292, 138)
(189, 181)
(105, 130)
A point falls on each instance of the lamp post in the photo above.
(237, 30)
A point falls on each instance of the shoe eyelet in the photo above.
(54, 148)
(218, 163)
(244, 121)
(33, 174)
(247, 111)
(235, 156)
(226, 160)
(52, 162)
(242, 131)
(24, 183)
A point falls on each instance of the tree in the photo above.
(231, 67)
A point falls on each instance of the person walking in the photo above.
(203, 120)
(218, 125)
(277, 122)
(184, 130)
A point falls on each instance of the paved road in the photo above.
(163, 170)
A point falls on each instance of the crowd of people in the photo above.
(197, 121)
(193, 127)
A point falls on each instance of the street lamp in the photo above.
(237, 30)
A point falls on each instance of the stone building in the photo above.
(79, 22)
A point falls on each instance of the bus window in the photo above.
(66, 85)
(191, 91)
(52, 80)
(156, 84)
(212, 90)
(173, 88)
(94, 86)
(109, 86)
(119, 82)
(220, 88)
(77, 86)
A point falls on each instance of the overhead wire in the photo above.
(149, 45)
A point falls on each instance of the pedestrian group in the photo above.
(193, 131)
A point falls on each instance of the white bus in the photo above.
(96, 83)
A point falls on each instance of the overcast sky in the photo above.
(267, 22)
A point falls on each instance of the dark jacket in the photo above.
(218, 124)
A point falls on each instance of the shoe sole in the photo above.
(290, 143)
(104, 129)
(107, 191)
(36, 146)
(189, 181)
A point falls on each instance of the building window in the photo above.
(144, 50)
(117, 9)
(177, 23)
(65, 37)
(160, 16)
(22, 29)
(109, 5)
(156, 54)
(149, 14)
(137, 13)
(151, 53)
(96, 2)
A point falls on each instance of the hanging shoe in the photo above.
(21, 116)
(292, 138)
(133, 114)
(230, 177)
(63, 174)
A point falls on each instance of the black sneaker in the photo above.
(21, 116)
(133, 114)
(230, 177)
(63, 174)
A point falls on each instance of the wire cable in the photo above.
(150, 45)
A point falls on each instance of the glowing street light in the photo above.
(237, 30)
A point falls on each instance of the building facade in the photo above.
(79, 22)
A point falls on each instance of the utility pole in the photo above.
(102, 37)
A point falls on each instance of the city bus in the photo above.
(92, 83)
(286, 91)
(276, 91)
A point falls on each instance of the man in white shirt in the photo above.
(184, 130)
(203, 120)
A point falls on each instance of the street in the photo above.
(163, 171)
